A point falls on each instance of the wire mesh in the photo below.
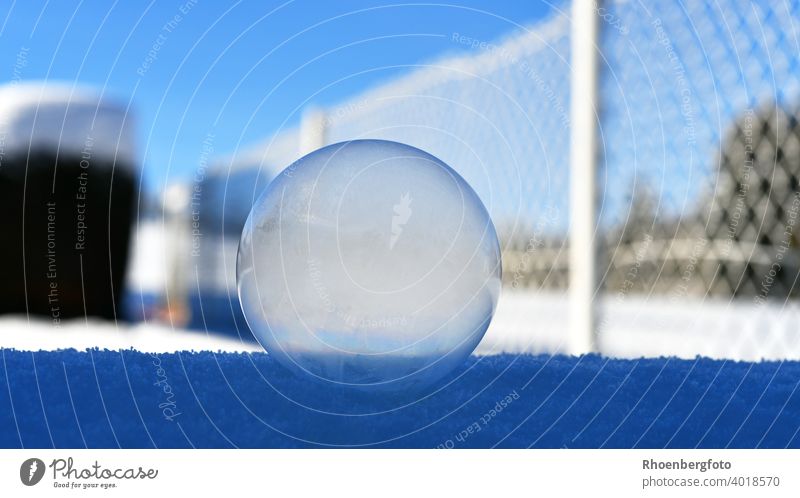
(500, 118)
(699, 178)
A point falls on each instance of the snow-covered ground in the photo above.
(36, 334)
(525, 322)
(638, 326)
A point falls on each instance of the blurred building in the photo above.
(68, 191)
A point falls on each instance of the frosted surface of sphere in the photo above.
(369, 264)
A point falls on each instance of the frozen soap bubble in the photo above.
(370, 264)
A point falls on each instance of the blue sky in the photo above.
(234, 70)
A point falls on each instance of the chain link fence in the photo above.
(498, 115)
(701, 148)
(699, 170)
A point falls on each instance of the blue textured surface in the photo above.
(110, 399)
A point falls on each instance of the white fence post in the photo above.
(177, 245)
(583, 174)
(313, 128)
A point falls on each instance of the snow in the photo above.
(144, 387)
(71, 399)
(524, 323)
(642, 326)
(37, 333)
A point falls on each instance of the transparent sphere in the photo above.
(369, 264)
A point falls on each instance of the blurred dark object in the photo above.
(68, 231)
(68, 197)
